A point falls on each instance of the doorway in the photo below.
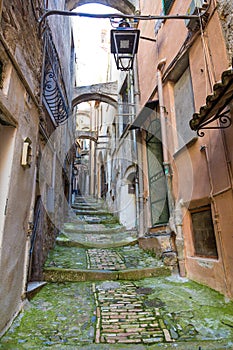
(156, 176)
(7, 138)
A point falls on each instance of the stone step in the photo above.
(90, 211)
(97, 206)
(93, 219)
(75, 275)
(82, 227)
(97, 239)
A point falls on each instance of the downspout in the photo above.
(139, 176)
(163, 120)
(174, 212)
(134, 148)
(28, 237)
(216, 216)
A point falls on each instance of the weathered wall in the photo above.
(14, 237)
(21, 53)
(225, 10)
(17, 22)
(18, 102)
(196, 181)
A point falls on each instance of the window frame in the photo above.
(195, 238)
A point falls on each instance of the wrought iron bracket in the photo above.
(224, 119)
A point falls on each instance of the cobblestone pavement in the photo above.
(129, 257)
(102, 259)
(124, 318)
(138, 313)
(154, 313)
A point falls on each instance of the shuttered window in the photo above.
(167, 4)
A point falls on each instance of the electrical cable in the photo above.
(120, 16)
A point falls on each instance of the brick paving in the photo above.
(122, 317)
(102, 259)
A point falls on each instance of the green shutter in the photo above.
(157, 179)
(167, 4)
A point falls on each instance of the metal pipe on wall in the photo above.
(138, 145)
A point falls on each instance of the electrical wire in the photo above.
(120, 15)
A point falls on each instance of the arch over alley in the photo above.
(104, 92)
(123, 6)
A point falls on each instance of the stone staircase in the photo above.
(94, 246)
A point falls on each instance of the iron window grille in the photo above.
(54, 93)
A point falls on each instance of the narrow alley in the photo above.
(116, 174)
(103, 292)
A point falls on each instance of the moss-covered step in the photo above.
(97, 240)
(74, 275)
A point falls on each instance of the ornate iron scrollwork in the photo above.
(53, 86)
(224, 119)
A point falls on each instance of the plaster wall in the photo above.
(147, 56)
(14, 236)
(127, 210)
(194, 177)
(6, 156)
(21, 54)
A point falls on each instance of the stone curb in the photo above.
(75, 275)
(96, 245)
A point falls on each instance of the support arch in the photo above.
(123, 6)
(94, 97)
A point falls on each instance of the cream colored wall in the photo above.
(20, 184)
(7, 136)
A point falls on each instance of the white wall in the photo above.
(7, 137)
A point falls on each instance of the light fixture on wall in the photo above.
(26, 153)
(124, 45)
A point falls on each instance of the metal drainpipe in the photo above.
(216, 216)
(166, 162)
(139, 179)
(29, 234)
(167, 170)
(133, 111)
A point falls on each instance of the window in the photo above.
(167, 4)
(125, 104)
(203, 233)
(184, 107)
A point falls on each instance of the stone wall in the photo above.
(21, 34)
(225, 10)
(21, 58)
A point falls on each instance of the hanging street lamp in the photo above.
(124, 39)
(124, 45)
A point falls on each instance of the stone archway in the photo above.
(123, 6)
(104, 92)
(94, 97)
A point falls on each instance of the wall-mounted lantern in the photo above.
(26, 153)
(124, 45)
